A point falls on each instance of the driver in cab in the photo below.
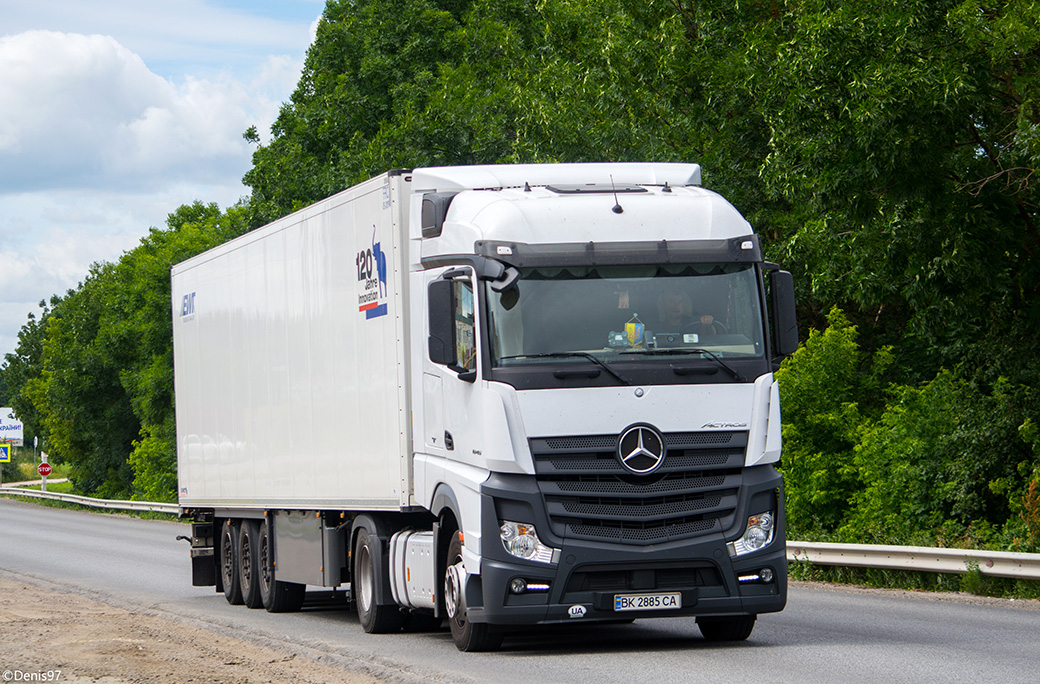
(673, 313)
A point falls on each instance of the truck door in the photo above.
(451, 408)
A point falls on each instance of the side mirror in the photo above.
(441, 303)
(785, 323)
(446, 325)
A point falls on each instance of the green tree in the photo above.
(81, 403)
(829, 390)
(22, 366)
(366, 56)
(905, 136)
(137, 329)
(945, 456)
(96, 371)
(490, 81)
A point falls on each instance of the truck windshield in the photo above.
(556, 314)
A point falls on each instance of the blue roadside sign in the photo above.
(5, 453)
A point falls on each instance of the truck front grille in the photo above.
(588, 494)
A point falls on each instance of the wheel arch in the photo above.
(381, 530)
(446, 508)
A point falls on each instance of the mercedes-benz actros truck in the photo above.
(496, 396)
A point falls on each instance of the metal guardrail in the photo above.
(996, 563)
(113, 504)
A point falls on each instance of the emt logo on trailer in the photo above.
(371, 274)
(188, 307)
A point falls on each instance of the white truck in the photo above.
(500, 396)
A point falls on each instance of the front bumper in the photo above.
(588, 576)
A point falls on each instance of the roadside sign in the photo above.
(44, 469)
(11, 429)
(5, 453)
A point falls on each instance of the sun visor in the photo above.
(744, 249)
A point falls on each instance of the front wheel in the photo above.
(468, 636)
(736, 628)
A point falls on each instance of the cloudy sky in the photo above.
(113, 113)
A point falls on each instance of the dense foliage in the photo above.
(887, 152)
(96, 371)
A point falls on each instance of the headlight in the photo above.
(521, 540)
(759, 533)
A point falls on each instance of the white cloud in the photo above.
(83, 111)
(63, 99)
(96, 146)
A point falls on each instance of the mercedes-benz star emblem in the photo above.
(641, 449)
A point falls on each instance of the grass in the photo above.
(56, 487)
(28, 471)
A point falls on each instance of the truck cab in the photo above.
(598, 413)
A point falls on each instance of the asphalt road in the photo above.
(825, 635)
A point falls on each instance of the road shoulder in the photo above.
(47, 634)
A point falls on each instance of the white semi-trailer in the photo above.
(493, 395)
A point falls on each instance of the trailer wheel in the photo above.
(276, 597)
(736, 628)
(248, 567)
(468, 636)
(374, 618)
(229, 563)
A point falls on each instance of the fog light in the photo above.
(757, 535)
(519, 585)
(765, 576)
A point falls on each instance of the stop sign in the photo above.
(44, 469)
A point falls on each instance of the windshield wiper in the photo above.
(575, 354)
(737, 375)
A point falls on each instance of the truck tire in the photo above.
(737, 628)
(468, 636)
(374, 618)
(248, 565)
(276, 597)
(229, 563)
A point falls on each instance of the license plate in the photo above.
(623, 602)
